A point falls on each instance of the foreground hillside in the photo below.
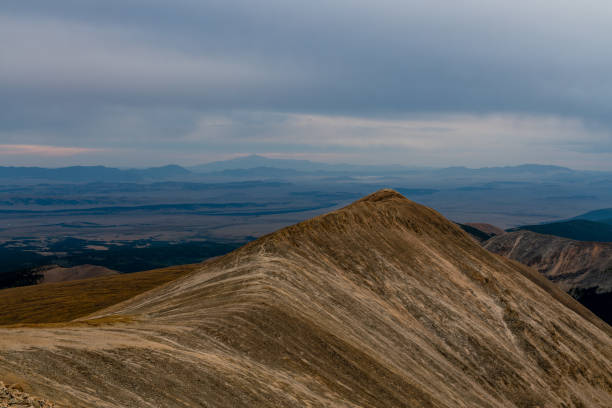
(583, 269)
(381, 304)
(60, 302)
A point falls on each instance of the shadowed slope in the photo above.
(581, 230)
(492, 230)
(383, 303)
(583, 269)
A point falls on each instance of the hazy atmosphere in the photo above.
(315, 203)
(426, 83)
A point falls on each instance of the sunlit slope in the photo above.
(381, 304)
(65, 301)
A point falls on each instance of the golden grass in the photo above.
(51, 303)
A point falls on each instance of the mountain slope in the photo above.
(581, 230)
(54, 273)
(603, 215)
(383, 303)
(492, 230)
(59, 302)
(583, 269)
(481, 232)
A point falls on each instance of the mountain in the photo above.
(307, 166)
(56, 302)
(578, 229)
(54, 273)
(604, 215)
(523, 169)
(258, 172)
(383, 303)
(477, 234)
(486, 228)
(66, 174)
(254, 161)
(481, 232)
(170, 171)
(90, 174)
(584, 269)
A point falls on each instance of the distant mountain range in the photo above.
(256, 161)
(258, 167)
(593, 226)
(604, 215)
(580, 230)
(90, 174)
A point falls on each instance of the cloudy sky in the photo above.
(415, 82)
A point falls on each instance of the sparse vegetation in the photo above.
(383, 303)
(21, 266)
(65, 301)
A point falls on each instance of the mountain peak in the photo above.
(383, 195)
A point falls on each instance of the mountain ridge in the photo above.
(578, 267)
(92, 173)
(576, 229)
(382, 303)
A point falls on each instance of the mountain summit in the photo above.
(383, 303)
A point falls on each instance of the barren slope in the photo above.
(381, 304)
(580, 268)
(571, 264)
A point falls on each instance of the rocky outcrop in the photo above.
(583, 269)
(14, 396)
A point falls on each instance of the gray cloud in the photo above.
(112, 74)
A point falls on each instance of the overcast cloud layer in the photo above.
(434, 82)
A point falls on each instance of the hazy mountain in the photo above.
(252, 161)
(170, 171)
(523, 169)
(383, 303)
(255, 161)
(579, 229)
(584, 269)
(603, 215)
(14, 175)
(66, 174)
(258, 172)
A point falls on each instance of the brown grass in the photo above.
(381, 304)
(51, 303)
